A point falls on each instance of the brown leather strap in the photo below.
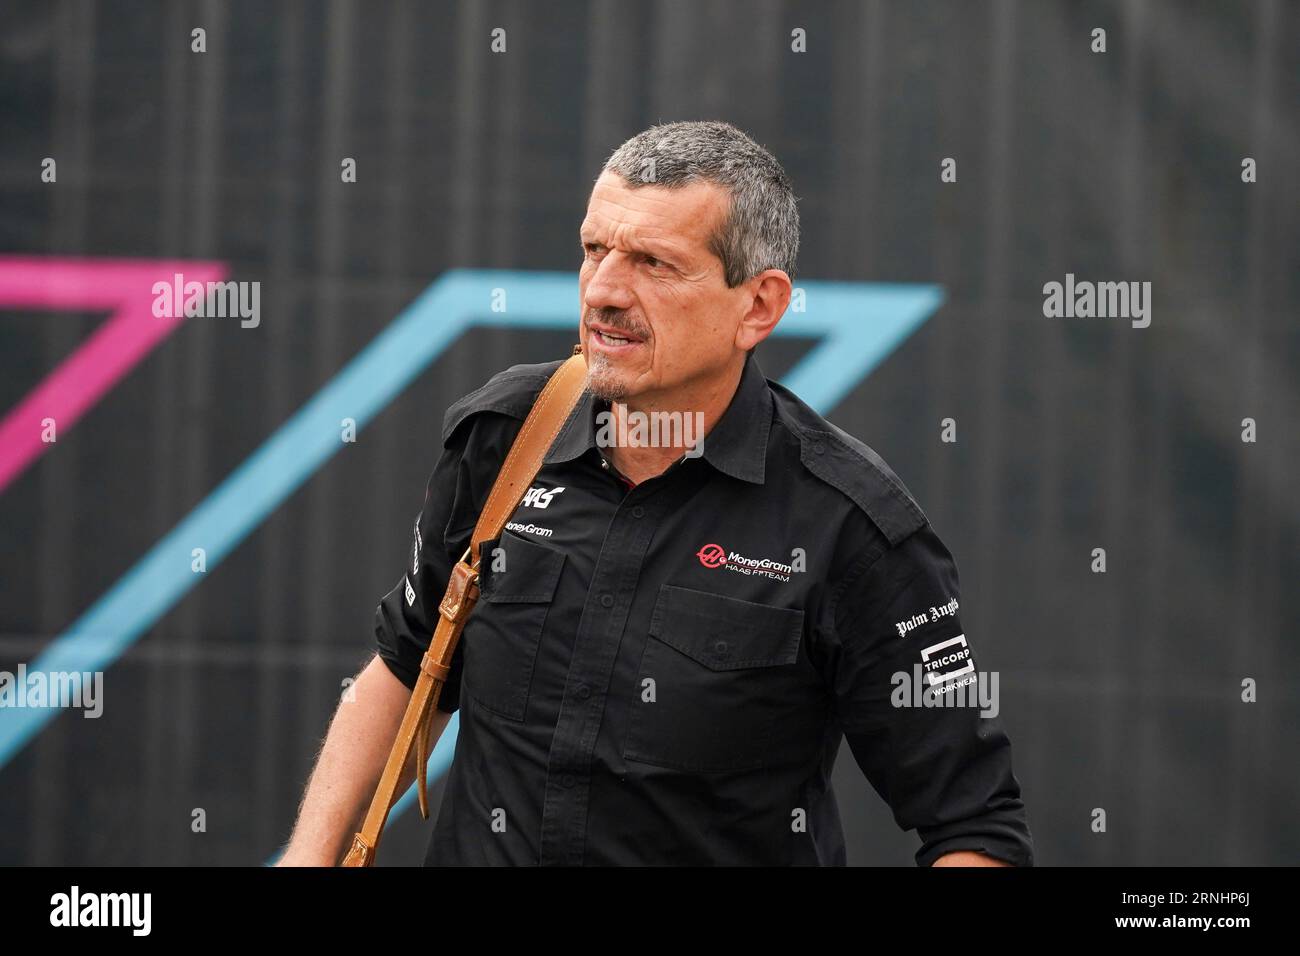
(522, 463)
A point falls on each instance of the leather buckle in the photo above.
(457, 601)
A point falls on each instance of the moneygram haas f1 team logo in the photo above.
(716, 556)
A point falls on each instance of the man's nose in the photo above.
(610, 287)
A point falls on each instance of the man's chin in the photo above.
(607, 387)
(605, 381)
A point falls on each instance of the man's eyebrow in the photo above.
(651, 247)
(654, 248)
(664, 251)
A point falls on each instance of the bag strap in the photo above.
(540, 428)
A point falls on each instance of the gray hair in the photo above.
(761, 230)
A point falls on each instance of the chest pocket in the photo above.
(720, 668)
(501, 637)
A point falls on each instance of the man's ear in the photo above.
(771, 290)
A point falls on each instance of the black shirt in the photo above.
(662, 674)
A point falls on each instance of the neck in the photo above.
(647, 433)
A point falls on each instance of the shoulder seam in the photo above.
(893, 532)
(899, 492)
(876, 491)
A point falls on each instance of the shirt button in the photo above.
(567, 780)
(607, 600)
(819, 449)
(638, 512)
(584, 691)
(604, 464)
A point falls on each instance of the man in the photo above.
(674, 637)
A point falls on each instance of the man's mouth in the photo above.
(612, 340)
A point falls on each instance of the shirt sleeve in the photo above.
(406, 617)
(944, 770)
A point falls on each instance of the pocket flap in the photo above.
(529, 573)
(725, 633)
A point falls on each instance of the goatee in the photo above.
(603, 379)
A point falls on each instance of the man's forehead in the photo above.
(654, 211)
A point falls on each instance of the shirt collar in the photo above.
(737, 444)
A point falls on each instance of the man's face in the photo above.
(649, 276)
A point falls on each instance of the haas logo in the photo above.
(712, 556)
(540, 497)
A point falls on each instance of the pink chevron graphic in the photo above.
(124, 288)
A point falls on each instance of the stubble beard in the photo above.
(604, 379)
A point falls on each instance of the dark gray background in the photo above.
(1120, 691)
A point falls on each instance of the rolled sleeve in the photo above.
(407, 616)
(945, 771)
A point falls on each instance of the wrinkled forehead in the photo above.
(686, 215)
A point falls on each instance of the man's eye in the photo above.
(651, 261)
